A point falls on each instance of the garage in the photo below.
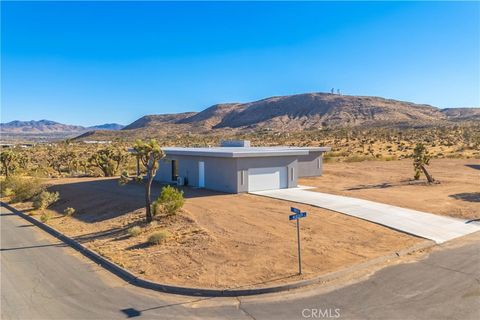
(267, 178)
(237, 169)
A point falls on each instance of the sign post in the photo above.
(298, 214)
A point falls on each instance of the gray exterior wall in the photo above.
(220, 173)
(225, 174)
(310, 165)
(164, 171)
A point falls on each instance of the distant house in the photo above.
(97, 142)
(236, 167)
(20, 145)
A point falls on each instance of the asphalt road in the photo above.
(42, 278)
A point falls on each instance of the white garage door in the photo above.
(267, 178)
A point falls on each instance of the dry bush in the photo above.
(22, 188)
(45, 199)
(169, 202)
(158, 237)
(45, 217)
(68, 212)
(134, 231)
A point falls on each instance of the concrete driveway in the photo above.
(422, 224)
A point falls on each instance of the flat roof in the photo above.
(243, 152)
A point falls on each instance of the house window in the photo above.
(291, 173)
(318, 163)
(242, 177)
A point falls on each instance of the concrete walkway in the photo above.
(426, 225)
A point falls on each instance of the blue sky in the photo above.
(89, 63)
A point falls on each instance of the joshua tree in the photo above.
(421, 159)
(9, 162)
(108, 160)
(149, 153)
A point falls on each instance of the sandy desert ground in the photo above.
(226, 241)
(457, 194)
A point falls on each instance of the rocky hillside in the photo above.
(462, 114)
(307, 111)
(152, 120)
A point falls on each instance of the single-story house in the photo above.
(236, 167)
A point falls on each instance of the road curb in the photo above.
(190, 291)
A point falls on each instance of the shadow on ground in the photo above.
(103, 199)
(470, 197)
(473, 166)
(384, 185)
(62, 245)
(371, 186)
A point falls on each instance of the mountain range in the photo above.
(48, 126)
(306, 111)
(282, 113)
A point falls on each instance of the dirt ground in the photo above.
(218, 240)
(457, 195)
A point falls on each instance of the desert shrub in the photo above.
(454, 156)
(339, 153)
(354, 158)
(69, 211)
(21, 188)
(157, 208)
(327, 157)
(45, 199)
(7, 192)
(158, 237)
(152, 225)
(389, 158)
(134, 231)
(45, 217)
(358, 158)
(169, 202)
(123, 178)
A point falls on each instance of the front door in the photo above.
(174, 170)
(201, 174)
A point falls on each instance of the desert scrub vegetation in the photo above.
(67, 159)
(11, 161)
(134, 231)
(124, 178)
(45, 199)
(108, 160)
(74, 158)
(68, 212)
(45, 217)
(7, 192)
(169, 202)
(21, 189)
(158, 237)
